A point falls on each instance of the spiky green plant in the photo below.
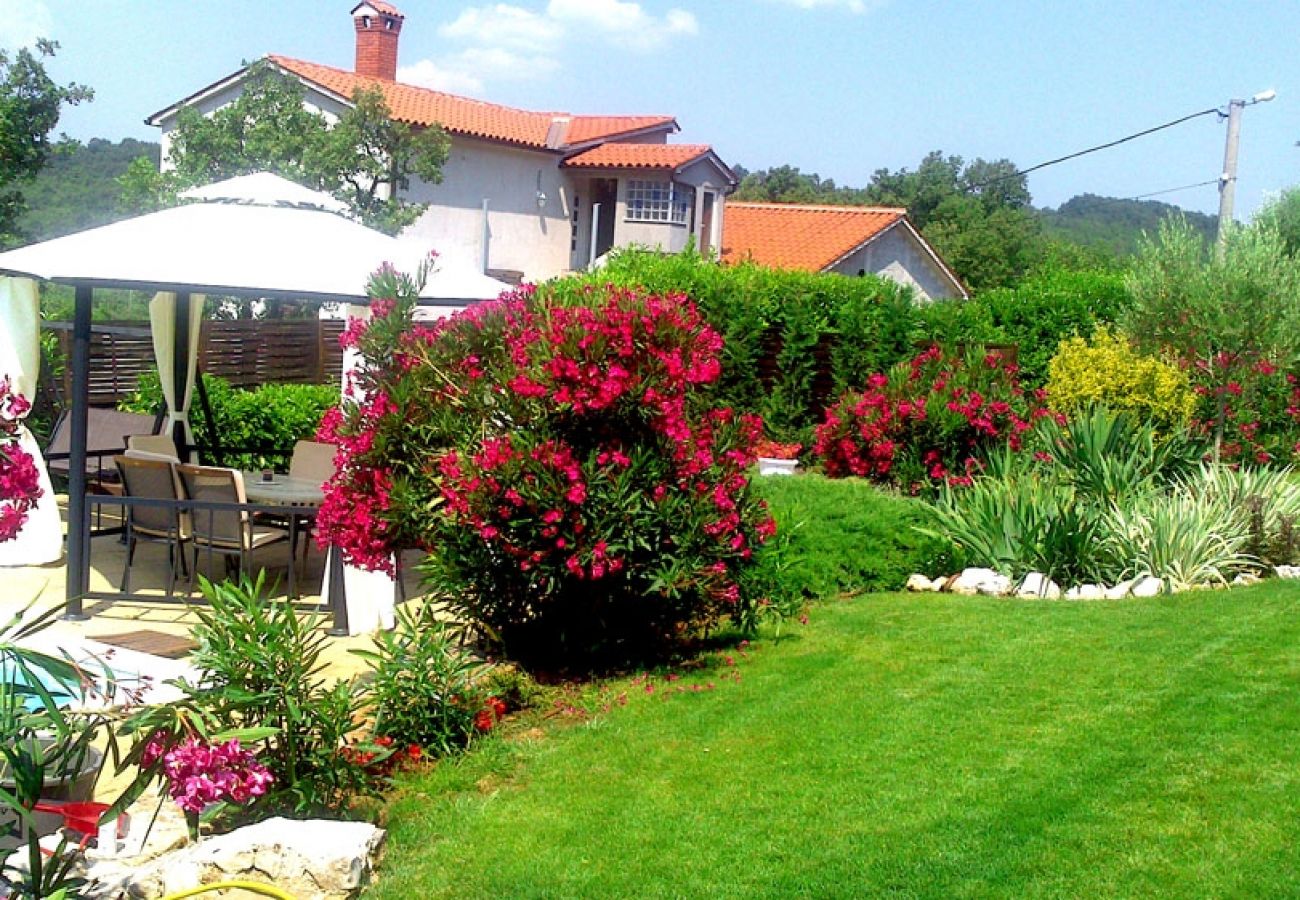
(1185, 538)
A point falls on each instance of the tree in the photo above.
(1283, 213)
(1223, 314)
(366, 159)
(977, 215)
(30, 103)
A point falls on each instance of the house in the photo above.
(527, 194)
(850, 240)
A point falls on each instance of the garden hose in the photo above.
(256, 887)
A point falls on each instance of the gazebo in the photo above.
(255, 236)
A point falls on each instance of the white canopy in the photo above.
(265, 189)
(256, 235)
(246, 248)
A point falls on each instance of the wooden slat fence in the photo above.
(247, 353)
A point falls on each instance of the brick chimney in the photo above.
(378, 26)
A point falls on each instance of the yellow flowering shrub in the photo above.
(1106, 370)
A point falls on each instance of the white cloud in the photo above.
(624, 23)
(23, 21)
(504, 25)
(506, 41)
(468, 71)
(853, 6)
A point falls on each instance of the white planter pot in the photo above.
(767, 465)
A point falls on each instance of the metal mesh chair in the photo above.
(153, 480)
(230, 532)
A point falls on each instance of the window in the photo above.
(658, 201)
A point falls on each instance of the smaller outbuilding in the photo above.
(849, 240)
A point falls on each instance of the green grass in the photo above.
(910, 746)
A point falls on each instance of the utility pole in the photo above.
(1228, 180)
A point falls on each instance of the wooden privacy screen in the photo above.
(245, 352)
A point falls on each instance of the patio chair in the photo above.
(311, 461)
(153, 480)
(230, 532)
(152, 446)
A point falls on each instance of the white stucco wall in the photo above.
(522, 235)
(897, 255)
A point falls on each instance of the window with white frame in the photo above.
(658, 201)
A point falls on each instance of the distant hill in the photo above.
(1115, 225)
(78, 188)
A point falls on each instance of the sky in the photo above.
(836, 87)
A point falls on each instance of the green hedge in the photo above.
(847, 536)
(869, 323)
(792, 337)
(263, 423)
(1034, 316)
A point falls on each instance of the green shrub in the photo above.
(261, 667)
(259, 426)
(424, 689)
(846, 535)
(558, 454)
(1059, 512)
(1106, 370)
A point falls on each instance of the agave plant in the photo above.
(1187, 539)
(1268, 498)
(1111, 458)
(1017, 518)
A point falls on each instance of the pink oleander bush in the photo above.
(556, 455)
(20, 487)
(925, 422)
(200, 773)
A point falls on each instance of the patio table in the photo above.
(303, 494)
(282, 490)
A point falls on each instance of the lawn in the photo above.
(904, 745)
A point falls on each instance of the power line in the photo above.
(1186, 187)
(1109, 144)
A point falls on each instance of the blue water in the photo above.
(18, 682)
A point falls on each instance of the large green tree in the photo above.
(366, 158)
(30, 103)
(1283, 213)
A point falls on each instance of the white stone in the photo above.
(1287, 571)
(1245, 579)
(316, 859)
(1121, 590)
(1038, 586)
(980, 581)
(1149, 586)
(1086, 592)
(918, 582)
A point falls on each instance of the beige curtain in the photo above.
(162, 325)
(41, 540)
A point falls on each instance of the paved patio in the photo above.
(150, 609)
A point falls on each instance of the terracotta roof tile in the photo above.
(638, 156)
(475, 118)
(799, 236)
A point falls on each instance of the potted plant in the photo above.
(776, 458)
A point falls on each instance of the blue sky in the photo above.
(837, 87)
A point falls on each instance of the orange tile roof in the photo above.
(800, 236)
(476, 118)
(638, 156)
